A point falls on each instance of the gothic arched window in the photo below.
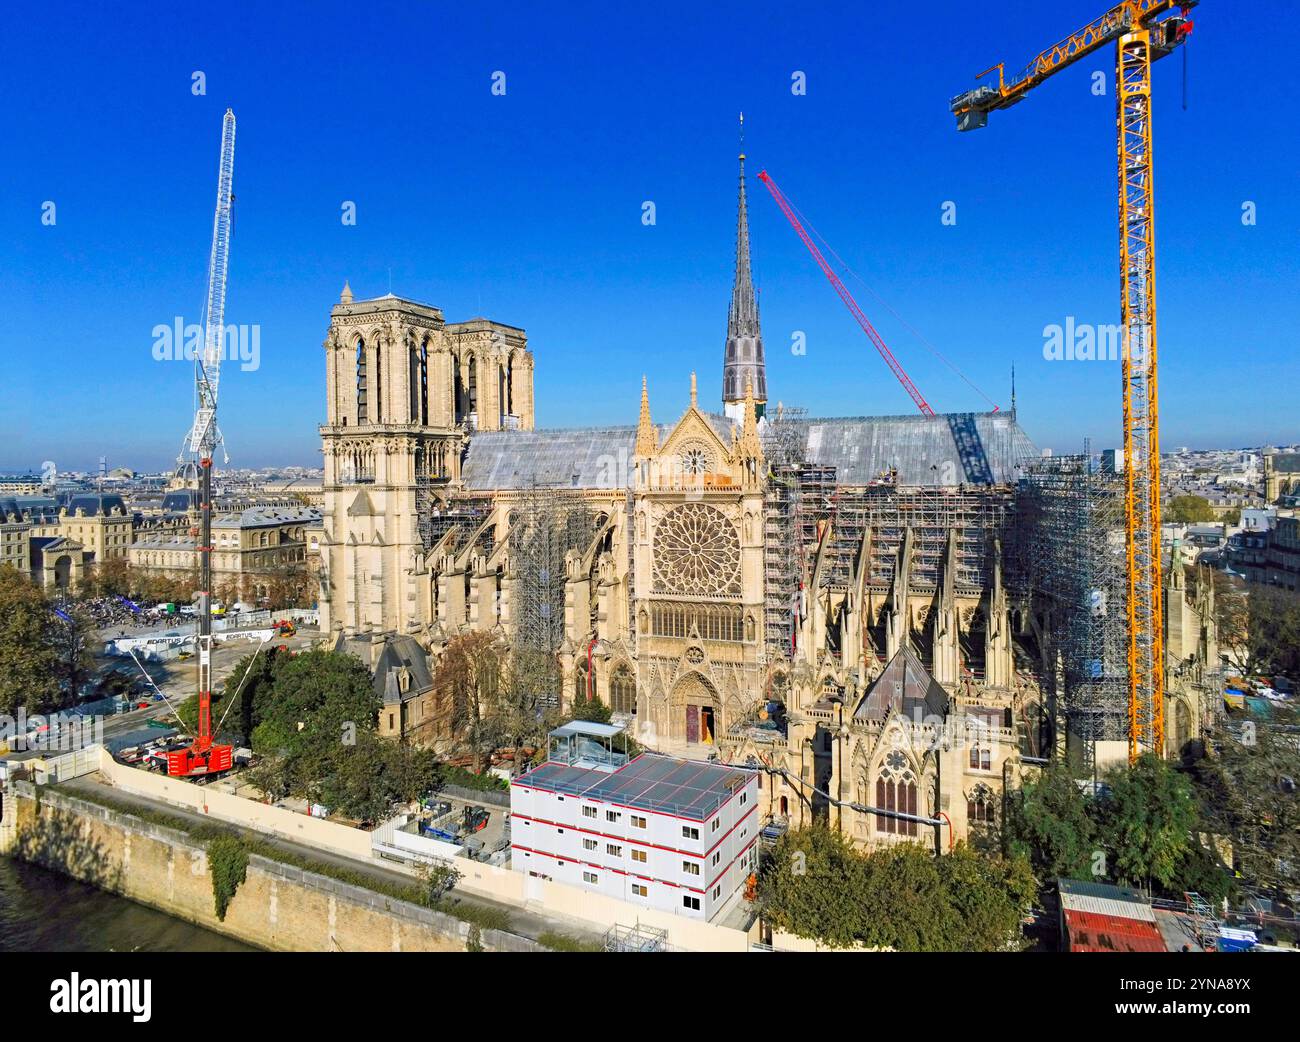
(362, 410)
(622, 691)
(896, 791)
(980, 809)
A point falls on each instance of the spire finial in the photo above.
(1013, 389)
(693, 390)
(346, 296)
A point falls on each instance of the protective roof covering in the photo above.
(949, 449)
(586, 457)
(663, 784)
(946, 450)
(1085, 895)
(904, 685)
(587, 727)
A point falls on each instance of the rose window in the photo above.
(696, 551)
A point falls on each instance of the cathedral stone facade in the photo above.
(828, 599)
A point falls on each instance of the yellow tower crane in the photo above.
(1143, 31)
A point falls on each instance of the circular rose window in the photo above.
(696, 551)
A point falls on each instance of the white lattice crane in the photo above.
(201, 756)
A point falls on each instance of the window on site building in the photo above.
(588, 812)
(639, 855)
(590, 877)
(693, 903)
(638, 822)
(613, 849)
(690, 833)
(640, 891)
(589, 844)
(690, 868)
(612, 815)
(896, 791)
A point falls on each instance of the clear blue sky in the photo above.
(527, 208)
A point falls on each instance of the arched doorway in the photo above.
(62, 571)
(694, 710)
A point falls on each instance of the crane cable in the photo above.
(885, 304)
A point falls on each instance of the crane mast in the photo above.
(1142, 31)
(202, 756)
(894, 366)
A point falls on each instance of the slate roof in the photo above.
(398, 651)
(904, 685)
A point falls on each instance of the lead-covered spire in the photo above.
(743, 358)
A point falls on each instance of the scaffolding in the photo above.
(547, 524)
(784, 437)
(1071, 555)
(635, 939)
(888, 512)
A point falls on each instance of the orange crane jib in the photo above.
(846, 296)
(1142, 31)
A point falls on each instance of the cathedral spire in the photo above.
(647, 438)
(743, 357)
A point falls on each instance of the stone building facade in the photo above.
(868, 649)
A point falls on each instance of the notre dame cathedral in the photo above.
(834, 599)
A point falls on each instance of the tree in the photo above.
(112, 577)
(1232, 618)
(1147, 819)
(28, 657)
(902, 897)
(1048, 821)
(812, 886)
(1189, 510)
(1274, 629)
(470, 675)
(1247, 793)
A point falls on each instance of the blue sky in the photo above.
(527, 208)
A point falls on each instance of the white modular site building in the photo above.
(656, 831)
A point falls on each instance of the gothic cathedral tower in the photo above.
(404, 391)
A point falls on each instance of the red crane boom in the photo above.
(846, 296)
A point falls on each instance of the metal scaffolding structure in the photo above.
(546, 525)
(889, 512)
(785, 433)
(1071, 554)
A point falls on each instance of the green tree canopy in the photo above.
(29, 656)
(816, 884)
(1049, 821)
(1189, 510)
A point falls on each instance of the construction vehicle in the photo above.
(202, 757)
(1143, 31)
(285, 628)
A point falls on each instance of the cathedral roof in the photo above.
(950, 449)
(904, 685)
